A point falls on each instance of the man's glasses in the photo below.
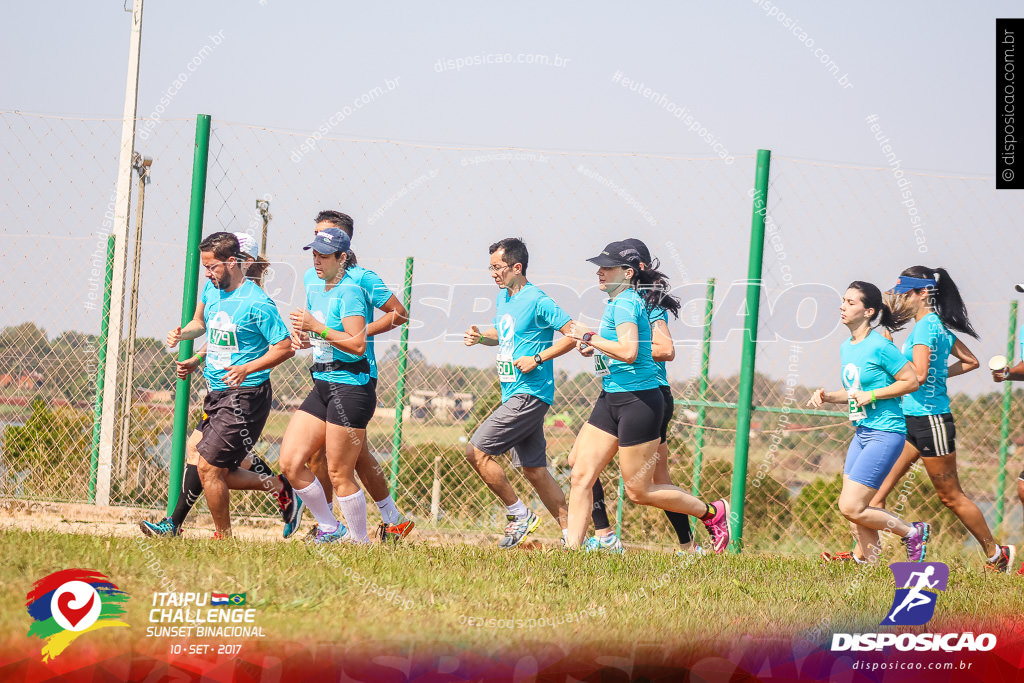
(497, 269)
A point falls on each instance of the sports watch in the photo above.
(538, 360)
(587, 336)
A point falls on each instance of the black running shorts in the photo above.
(666, 415)
(232, 422)
(933, 435)
(346, 405)
(634, 417)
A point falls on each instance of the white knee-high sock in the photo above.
(313, 497)
(388, 510)
(354, 510)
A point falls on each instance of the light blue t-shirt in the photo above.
(642, 373)
(655, 315)
(345, 299)
(526, 322)
(931, 398)
(240, 327)
(873, 364)
(377, 292)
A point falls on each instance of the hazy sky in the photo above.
(798, 78)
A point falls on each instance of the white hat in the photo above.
(247, 244)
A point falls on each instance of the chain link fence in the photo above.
(827, 224)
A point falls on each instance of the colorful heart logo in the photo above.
(72, 614)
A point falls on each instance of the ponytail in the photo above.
(653, 287)
(889, 318)
(946, 299)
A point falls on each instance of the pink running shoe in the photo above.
(718, 526)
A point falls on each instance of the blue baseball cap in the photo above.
(329, 241)
(905, 283)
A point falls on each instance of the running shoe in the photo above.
(1020, 572)
(718, 526)
(290, 506)
(517, 530)
(917, 545)
(165, 527)
(397, 531)
(844, 556)
(335, 536)
(1004, 563)
(609, 544)
(693, 550)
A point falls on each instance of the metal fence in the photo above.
(826, 224)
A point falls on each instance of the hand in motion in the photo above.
(173, 337)
(817, 398)
(472, 336)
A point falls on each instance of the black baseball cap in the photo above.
(645, 253)
(618, 254)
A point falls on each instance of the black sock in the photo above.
(599, 514)
(260, 466)
(681, 523)
(191, 489)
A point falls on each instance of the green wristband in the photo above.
(198, 356)
(323, 333)
(872, 395)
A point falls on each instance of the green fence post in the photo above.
(746, 393)
(1004, 435)
(101, 369)
(403, 355)
(188, 304)
(702, 395)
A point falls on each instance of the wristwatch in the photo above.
(538, 360)
(587, 336)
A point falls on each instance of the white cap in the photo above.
(247, 244)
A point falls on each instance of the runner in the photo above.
(249, 339)
(394, 525)
(931, 297)
(524, 325)
(663, 350)
(875, 374)
(629, 412)
(253, 266)
(1015, 374)
(335, 414)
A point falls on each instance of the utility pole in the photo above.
(120, 237)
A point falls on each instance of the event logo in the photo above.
(916, 586)
(70, 603)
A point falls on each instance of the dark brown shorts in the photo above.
(232, 422)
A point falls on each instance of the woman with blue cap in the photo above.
(934, 301)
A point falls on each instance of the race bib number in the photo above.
(506, 371)
(222, 337)
(601, 365)
(322, 352)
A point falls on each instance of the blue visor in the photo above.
(905, 284)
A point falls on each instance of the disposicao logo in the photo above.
(917, 589)
(916, 586)
(70, 603)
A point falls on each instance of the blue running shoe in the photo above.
(335, 536)
(291, 507)
(165, 527)
(608, 544)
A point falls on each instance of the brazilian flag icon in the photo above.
(236, 599)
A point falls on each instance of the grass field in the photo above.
(485, 600)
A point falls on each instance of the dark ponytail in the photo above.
(653, 287)
(946, 299)
(871, 297)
